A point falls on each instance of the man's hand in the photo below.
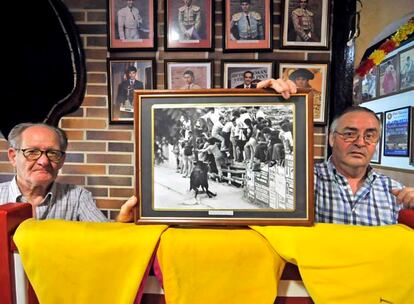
(285, 87)
(126, 215)
(405, 196)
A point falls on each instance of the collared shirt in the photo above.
(372, 204)
(63, 201)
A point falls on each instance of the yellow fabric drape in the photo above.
(218, 266)
(343, 264)
(83, 263)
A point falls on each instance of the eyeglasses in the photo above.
(33, 154)
(370, 137)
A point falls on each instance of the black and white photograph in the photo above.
(224, 158)
(407, 69)
(305, 24)
(245, 74)
(125, 76)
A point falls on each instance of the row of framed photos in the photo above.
(398, 134)
(189, 24)
(394, 75)
(129, 74)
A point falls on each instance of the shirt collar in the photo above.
(371, 175)
(15, 194)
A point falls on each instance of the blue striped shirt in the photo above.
(63, 201)
(372, 204)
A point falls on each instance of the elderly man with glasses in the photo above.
(347, 189)
(37, 152)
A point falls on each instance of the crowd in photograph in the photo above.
(224, 136)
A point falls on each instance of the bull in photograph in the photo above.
(199, 178)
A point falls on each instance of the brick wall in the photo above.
(100, 155)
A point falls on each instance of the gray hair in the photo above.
(352, 109)
(15, 135)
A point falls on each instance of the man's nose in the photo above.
(43, 159)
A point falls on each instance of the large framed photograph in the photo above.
(245, 74)
(188, 75)
(389, 76)
(189, 24)
(125, 76)
(312, 77)
(131, 24)
(396, 132)
(407, 69)
(376, 158)
(256, 170)
(247, 25)
(305, 24)
(369, 85)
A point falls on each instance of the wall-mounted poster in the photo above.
(396, 132)
(388, 76)
(376, 158)
(407, 69)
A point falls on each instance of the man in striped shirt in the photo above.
(347, 189)
(37, 152)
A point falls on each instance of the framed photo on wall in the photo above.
(376, 159)
(125, 76)
(305, 24)
(407, 69)
(396, 132)
(245, 74)
(183, 74)
(131, 24)
(247, 25)
(189, 24)
(312, 77)
(389, 76)
(369, 85)
(277, 192)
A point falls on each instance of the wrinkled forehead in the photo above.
(358, 121)
(39, 135)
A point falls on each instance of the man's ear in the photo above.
(331, 139)
(11, 154)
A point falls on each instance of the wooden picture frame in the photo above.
(305, 24)
(389, 74)
(121, 89)
(274, 191)
(131, 28)
(242, 34)
(189, 25)
(406, 58)
(233, 72)
(317, 75)
(376, 158)
(397, 132)
(178, 72)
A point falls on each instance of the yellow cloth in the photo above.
(218, 266)
(343, 264)
(83, 263)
